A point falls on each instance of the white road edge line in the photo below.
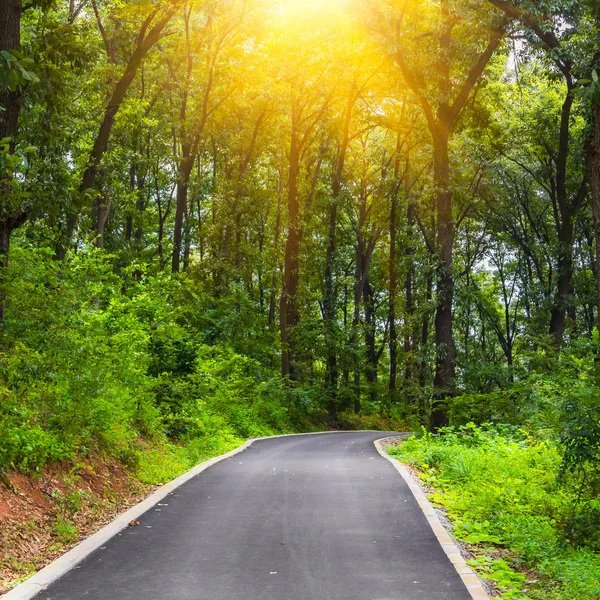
(474, 585)
(63, 564)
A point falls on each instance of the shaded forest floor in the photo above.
(43, 515)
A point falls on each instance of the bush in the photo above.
(87, 365)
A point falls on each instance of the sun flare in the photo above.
(309, 6)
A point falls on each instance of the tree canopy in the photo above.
(393, 199)
(387, 205)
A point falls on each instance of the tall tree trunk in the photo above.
(564, 217)
(162, 218)
(329, 304)
(7, 226)
(102, 210)
(288, 312)
(10, 39)
(145, 42)
(410, 308)
(129, 220)
(183, 180)
(425, 333)
(271, 318)
(365, 245)
(593, 166)
(393, 281)
(10, 102)
(187, 235)
(358, 286)
(371, 351)
(563, 295)
(330, 309)
(5, 233)
(444, 342)
(346, 362)
(140, 205)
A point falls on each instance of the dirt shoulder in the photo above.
(44, 515)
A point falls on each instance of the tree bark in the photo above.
(329, 303)
(564, 217)
(365, 245)
(102, 210)
(410, 307)
(425, 334)
(371, 351)
(184, 172)
(288, 312)
(10, 39)
(7, 226)
(593, 167)
(276, 235)
(393, 280)
(563, 296)
(445, 354)
(330, 308)
(358, 286)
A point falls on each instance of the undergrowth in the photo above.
(165, 461)
(516, 508)
(145, 371)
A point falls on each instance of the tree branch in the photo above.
(477, 71)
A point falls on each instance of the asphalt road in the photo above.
(319, 517)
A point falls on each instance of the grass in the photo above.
(163, 461)
(504, 497)
(66, 532)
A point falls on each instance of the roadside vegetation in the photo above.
(521, 487)
(102, 363)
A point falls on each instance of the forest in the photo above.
(222, 219)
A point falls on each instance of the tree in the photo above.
(13, 77)
(150, 32)
(452, 46)
(567, 202)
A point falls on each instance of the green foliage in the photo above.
(65, 531)
(317, 181)
(162, 461)
(376, 422)
(502, 490)
(85, 368)
(16, 70)
(504, 577)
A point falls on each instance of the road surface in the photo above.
(319, 517)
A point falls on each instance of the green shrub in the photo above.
(88, 366)
(501, 488)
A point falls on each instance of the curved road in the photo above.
(319, 517)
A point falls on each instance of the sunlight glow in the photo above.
(305, 7)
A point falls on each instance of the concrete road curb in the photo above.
(56, 569)
(470, 579)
